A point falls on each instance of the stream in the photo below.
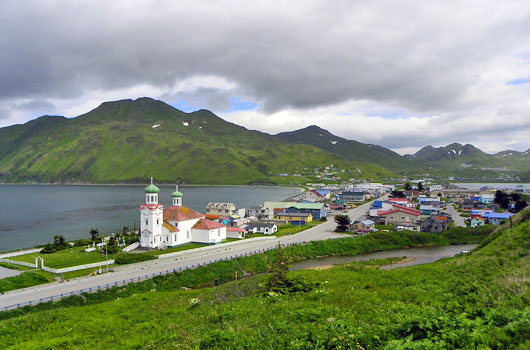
(418, 256)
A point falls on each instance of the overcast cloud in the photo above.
(402, 74)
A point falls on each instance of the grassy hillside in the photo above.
(477, 301)
(116, 142)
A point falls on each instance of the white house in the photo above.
(161, 228)
(263, 227)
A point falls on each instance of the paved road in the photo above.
(139, 270)
(459, 221)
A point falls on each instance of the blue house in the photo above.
(496, 218)
(427, 209)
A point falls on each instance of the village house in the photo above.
(317, 210)
(435, 224)
(477, 221)
(294, 218)
(428, 209)
(496, 218)
(235, 232)
(222, 209)
(175, 225)
(266, 228)
(261, 213)
(362, 225)
(353, 196)
(399, 215)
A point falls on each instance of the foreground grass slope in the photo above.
(479, 301)
(116, 142)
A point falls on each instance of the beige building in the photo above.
(223, 209)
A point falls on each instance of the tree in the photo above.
(398, 194)
(342, 222)
(48, 249)
(280, 267)
(59, 242)
(94, 233)
(125, 229)
(408, 187)
(280, 281)
(420, 186)
(515, 196)
(502, 199)
(112, 246)
(519, 205)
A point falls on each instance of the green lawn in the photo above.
(65, 258)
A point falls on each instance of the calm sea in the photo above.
(32, 214)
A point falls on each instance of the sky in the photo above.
(400, 74)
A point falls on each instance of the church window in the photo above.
(147, 222)
(157, 222)
(218, 233)
(175, 237)
(188, 234)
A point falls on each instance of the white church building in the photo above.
(167, 227)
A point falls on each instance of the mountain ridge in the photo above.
(129, 140)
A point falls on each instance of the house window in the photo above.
(391, 217)
(167, 239)
(218, 233)
(175, 237)
(188, 234)
(147, 222)
(157, 221)
(402, 218)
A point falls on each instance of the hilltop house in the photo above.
(167, 227)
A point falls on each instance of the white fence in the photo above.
(78, 267)
(14, 262)
(216, 246)
(20, 252)
(131, 247)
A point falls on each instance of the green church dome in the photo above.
(177, 194)
(151, 189)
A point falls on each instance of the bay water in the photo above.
(32, 215)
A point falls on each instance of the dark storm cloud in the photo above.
(428, 57)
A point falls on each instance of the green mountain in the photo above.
(348, 149)
(468, 160)
(128, 141)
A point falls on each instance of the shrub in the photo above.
(48, 249)
(82, 242)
